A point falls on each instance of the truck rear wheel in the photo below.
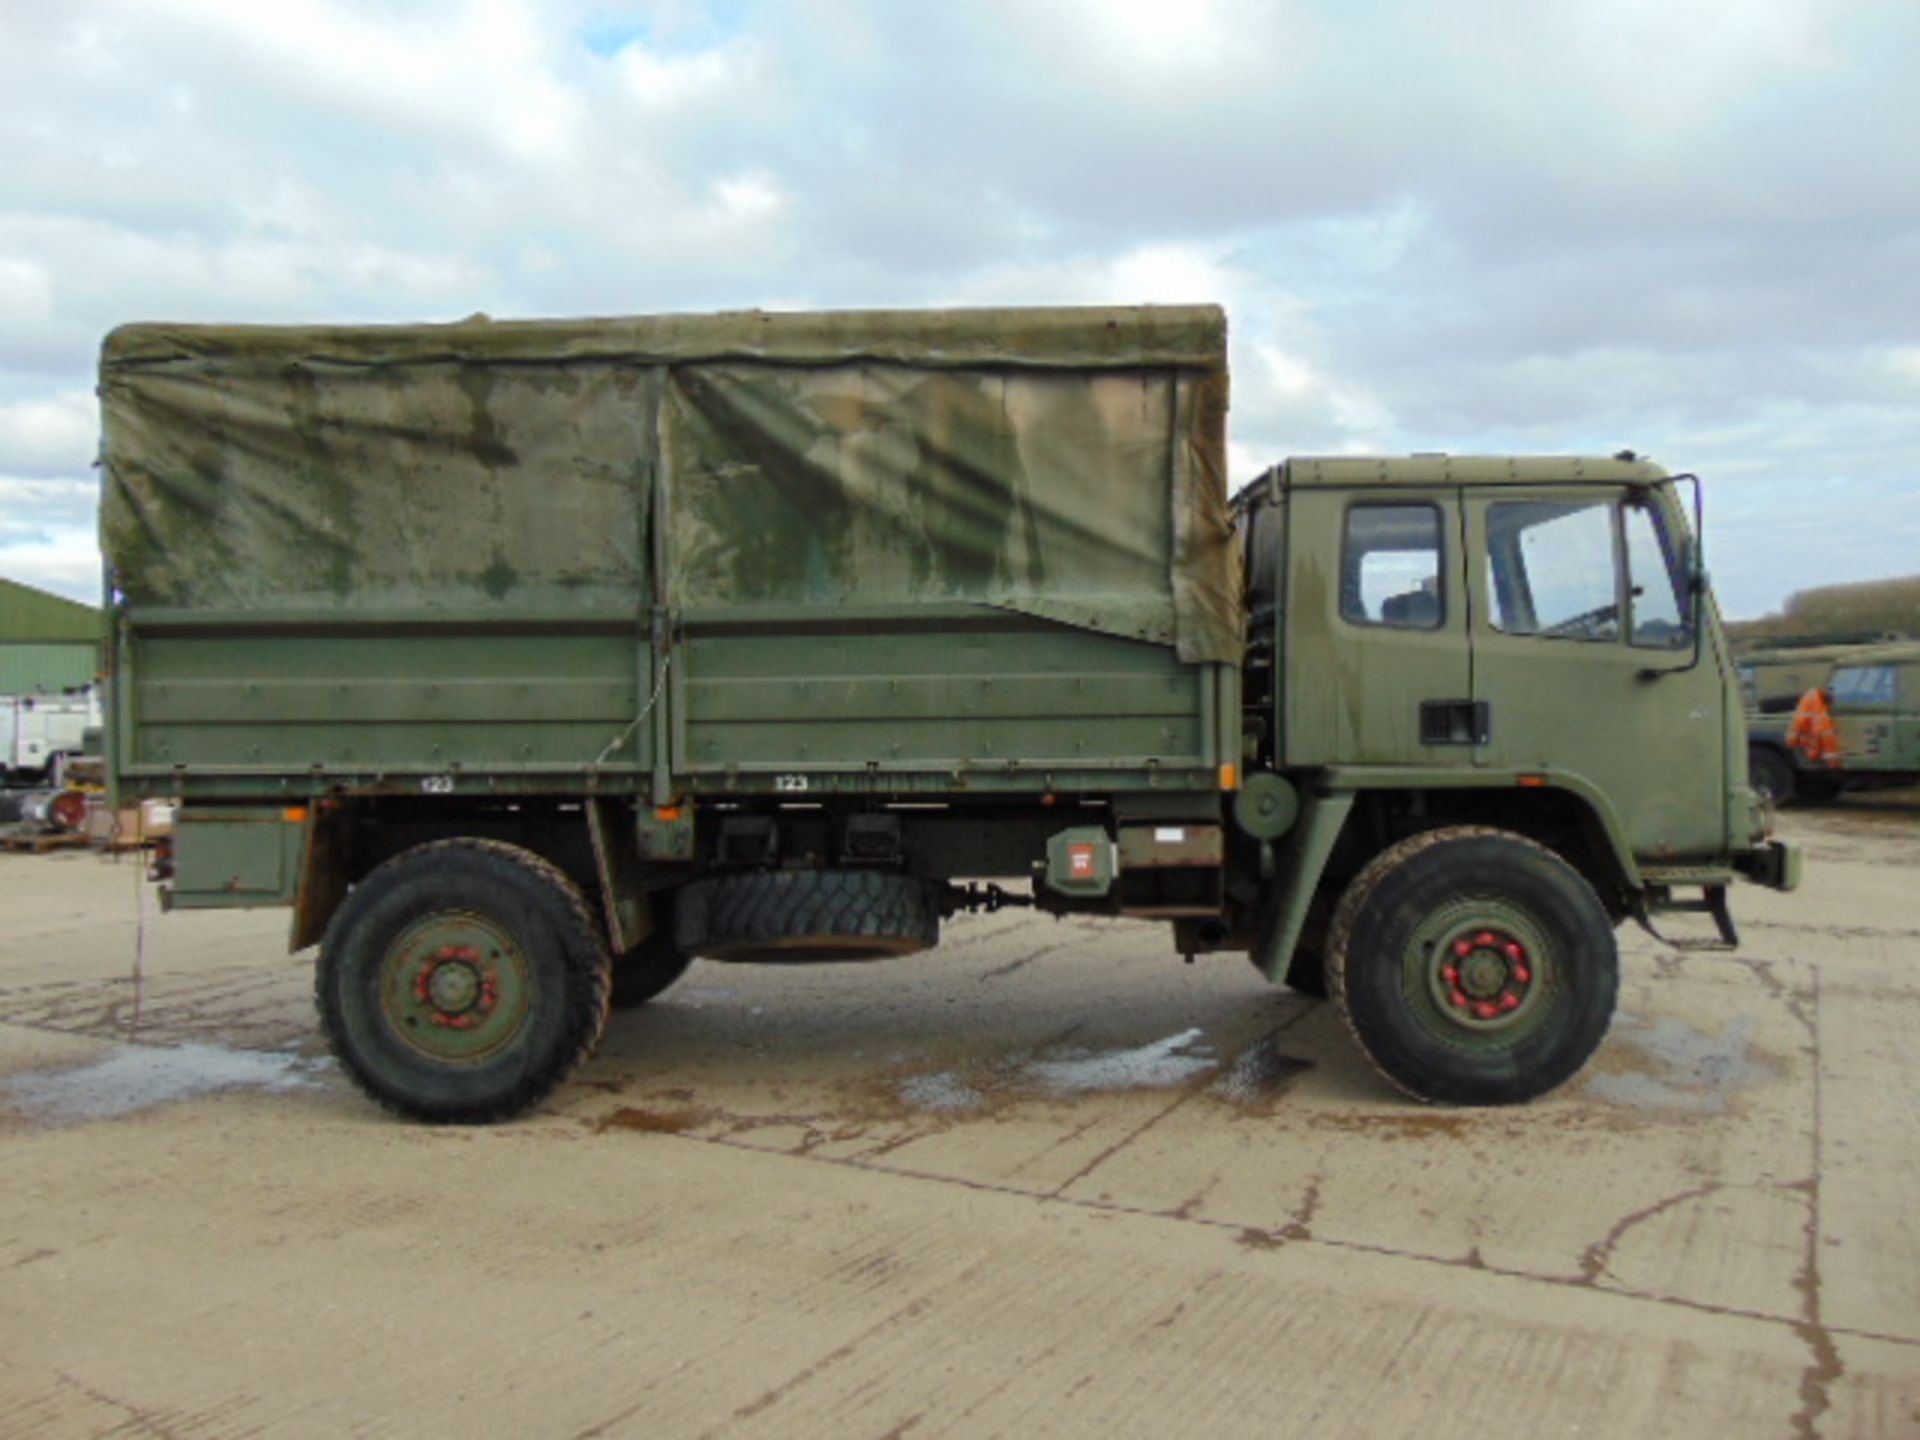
(807, 915)
(461, 981)
(1770, 774)
(1473, 966)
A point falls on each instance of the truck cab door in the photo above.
(1375, 652)
(1582, 637)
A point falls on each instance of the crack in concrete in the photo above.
(1824, 1365)
(144, 1419)
(1114, 1149)
(1593, 1261)
(1188, 1207)
(1193, 1089)
(1794, 1000)
(1030, 957)
(772, 1396)
(1299, 1224)
(1671, 965)
(1269, 1239)
(1835, 932)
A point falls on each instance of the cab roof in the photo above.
(1352, 470)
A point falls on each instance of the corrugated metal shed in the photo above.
(47, 643)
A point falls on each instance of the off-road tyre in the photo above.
(784, 916)
(1770, 773)
(654, 964)
(523, 999)
(1532, 929)
(1814, 788)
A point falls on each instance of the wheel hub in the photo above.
(1485, 976)
(456, 987)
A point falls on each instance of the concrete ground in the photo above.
(1043, 1180)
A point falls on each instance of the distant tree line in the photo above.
(1869, 610)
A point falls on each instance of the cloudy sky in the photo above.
(1687, 226)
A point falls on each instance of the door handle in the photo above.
(1456, 722)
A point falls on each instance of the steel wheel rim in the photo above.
(1481, 973)
(455, 988)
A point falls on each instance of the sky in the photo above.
(1688, 227)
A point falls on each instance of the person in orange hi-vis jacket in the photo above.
(1812, 732)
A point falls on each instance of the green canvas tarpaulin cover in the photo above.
(1064, 463)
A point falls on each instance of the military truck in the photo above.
(528, 661)
(1773, 679)
(1873, 694)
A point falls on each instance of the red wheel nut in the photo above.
(1522, 974)
(1509, 1001)
(1486, 1010)
(1462, 949)
(1514, 952)
(1456, 998)
(1450, 974)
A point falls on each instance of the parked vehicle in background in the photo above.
(1773, 680)
(1873, 697)
(529, 661)
(38, 733)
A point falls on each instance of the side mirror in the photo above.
(1692, 558)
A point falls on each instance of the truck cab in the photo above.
(1517, 642)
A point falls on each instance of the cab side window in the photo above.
(1553, 568)
(1390, 567)
(1863, 685)
(1654, 572)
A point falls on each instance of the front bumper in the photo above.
(1777, 864)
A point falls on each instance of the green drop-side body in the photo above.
(661, 597)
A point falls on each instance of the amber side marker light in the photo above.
(1229, 777)
(1531, 782)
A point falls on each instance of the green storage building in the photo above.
(47, 643)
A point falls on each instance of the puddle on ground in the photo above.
(1162, 1064)
(139, 1077)
(1681, 1068)
(1158, 1066)
(944, 1093)
(1260, 1072)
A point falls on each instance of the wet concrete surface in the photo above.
(1045, 1179)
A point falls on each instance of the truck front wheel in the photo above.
(461, 981)
(1473, 966)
